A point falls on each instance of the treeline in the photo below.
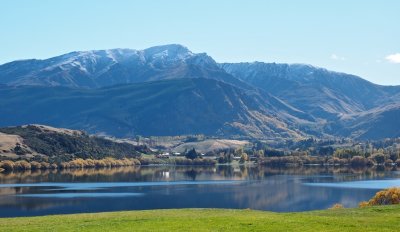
(191, 158)
(356, 161)
(319, 152)
(378, 157)
(198, 161)
(338, 157)
(22, 165)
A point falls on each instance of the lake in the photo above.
(164, 187)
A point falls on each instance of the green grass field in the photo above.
(383, 218)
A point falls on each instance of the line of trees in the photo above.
(21, 165)
(337, 153)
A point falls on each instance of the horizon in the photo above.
(358, 37)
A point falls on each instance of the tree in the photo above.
(358, 161)
(225, 157)
(191, 154)
(260, 153)
(243, 158)
(7, 165)
(394, 156)
(379, 158)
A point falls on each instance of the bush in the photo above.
(53, 166)
(99, 164)
(64, 165)
(35, 165)
(363, 204)
(243, 158)
(337, 206)
(370, 162)
(358, 161)
(379, 158)
(334, 161)
(388, 196)
(22, 165)
(136, 162)
(7, 165)
(44, 165)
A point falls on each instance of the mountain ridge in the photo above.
(314, 100)
(99, 68)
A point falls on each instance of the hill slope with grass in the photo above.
(38, 142)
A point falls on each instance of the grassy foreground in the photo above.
(382, 218)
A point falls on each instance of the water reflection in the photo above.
(367, 184)
(129, 188)
(74, 195)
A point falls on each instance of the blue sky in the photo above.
(361, 37)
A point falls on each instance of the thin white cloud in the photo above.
(393, 58)
(336, 57)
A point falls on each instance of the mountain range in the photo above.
(169, 90)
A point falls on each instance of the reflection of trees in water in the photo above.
(157, 173)
(339, 172)
(27, 204)
(9, 198)
(191, 174)
(278, 193)
(271, 188)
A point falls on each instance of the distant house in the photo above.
(163, 155)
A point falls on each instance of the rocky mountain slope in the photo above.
(94, 69)
(171, 107)
(169, 90)
(322, 93)
(346, 104)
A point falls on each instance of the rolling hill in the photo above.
(39, 142)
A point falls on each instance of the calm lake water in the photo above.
(135, 188)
